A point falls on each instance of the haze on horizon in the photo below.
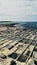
(18, 10)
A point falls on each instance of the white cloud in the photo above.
(17, 9)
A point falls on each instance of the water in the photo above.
(6, 22)
(32, 25)
(29, 25)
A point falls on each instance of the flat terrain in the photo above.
(18, 45)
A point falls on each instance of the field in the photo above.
(18, 45)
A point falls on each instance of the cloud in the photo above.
(18, 9)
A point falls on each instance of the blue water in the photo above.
(32, 25)
(6, 22)
(29, 25)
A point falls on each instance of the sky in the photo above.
(18, 10)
